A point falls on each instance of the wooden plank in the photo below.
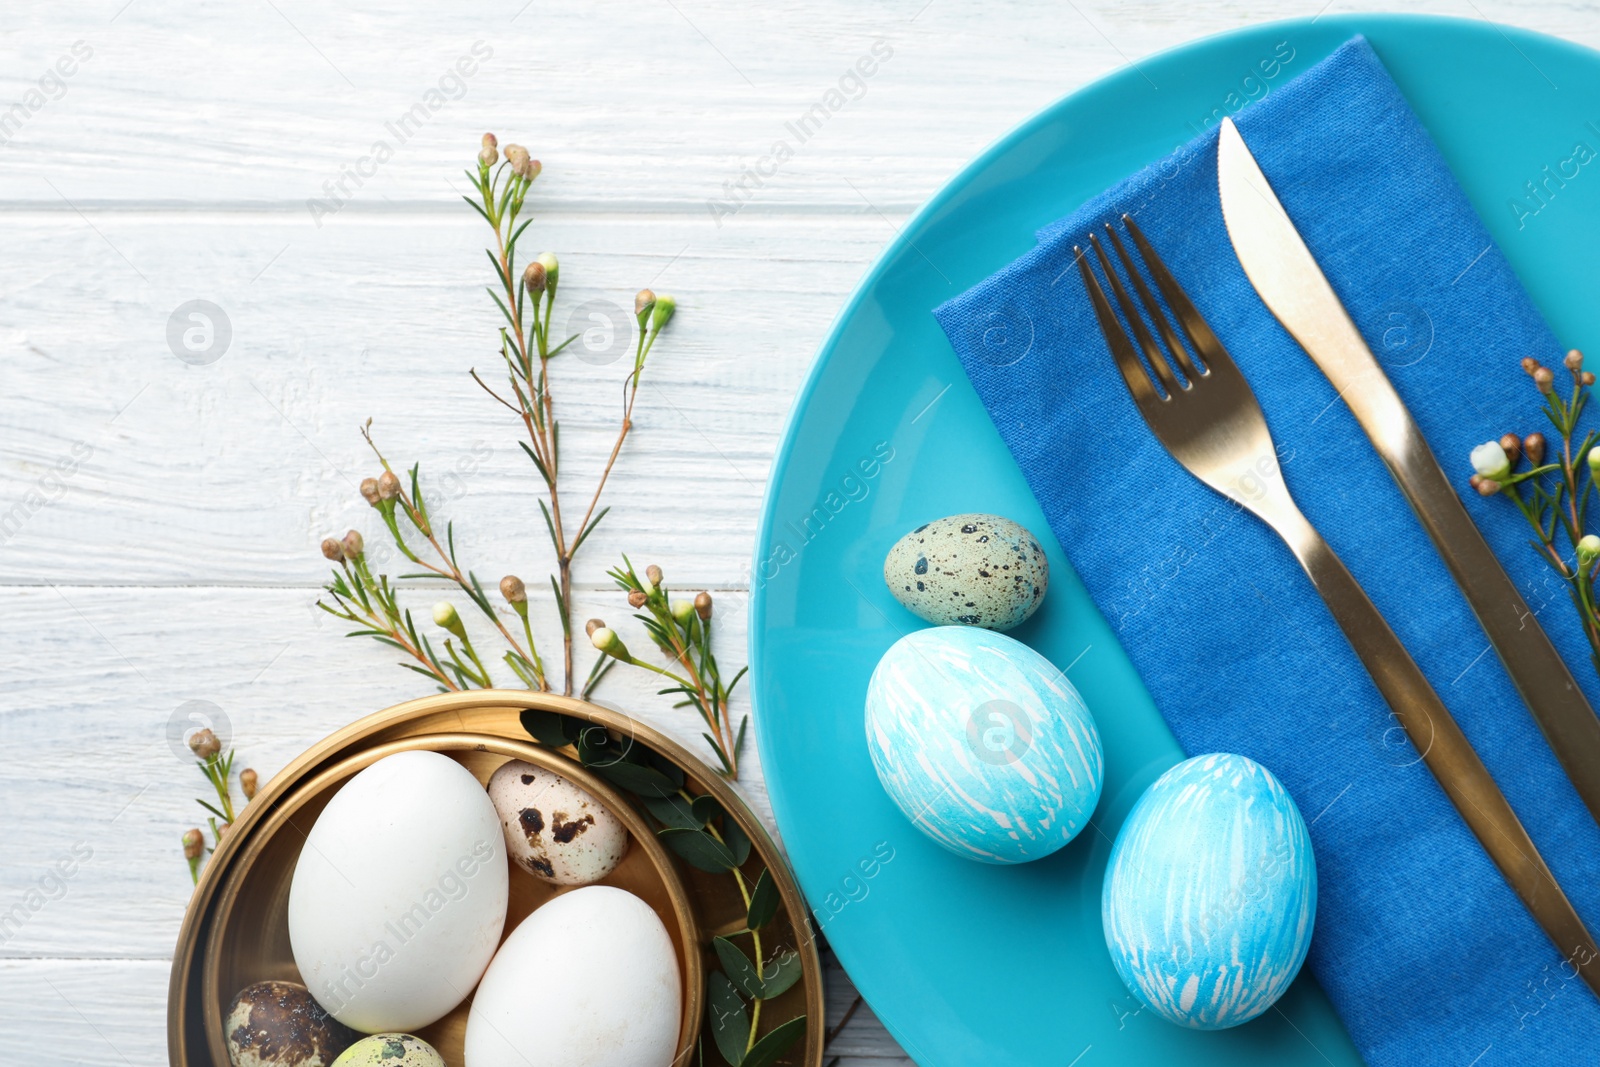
(860, 1038)
(93, 795)
(177, 160)
(97, 674)
(99, 1011)
(232, 472)
(60, 1012)
(627, 104)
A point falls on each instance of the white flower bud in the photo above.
(661, 313)
(444, 614)
(1491, 461)
(552, 267)
(606, 640)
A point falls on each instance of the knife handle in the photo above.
(1443, 747)
(1284, 272)
(1545, 683)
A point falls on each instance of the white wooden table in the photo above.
(159, 520)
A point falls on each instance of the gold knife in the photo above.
(1284, 273)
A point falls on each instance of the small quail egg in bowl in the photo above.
(554, 830)
(279, 1024)
(390, 1050)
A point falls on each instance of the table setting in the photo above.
(1283, 305)
(1169, 629)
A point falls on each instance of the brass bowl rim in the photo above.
(197, 916)
(228, 893)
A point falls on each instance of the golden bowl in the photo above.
(249, 937)
(235, 931)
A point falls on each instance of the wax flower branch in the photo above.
(1554, 497)
(218, 770)
(681, 629)
(524, 295)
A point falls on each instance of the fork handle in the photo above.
(1444, 748)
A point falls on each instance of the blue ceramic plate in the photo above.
(969, 964)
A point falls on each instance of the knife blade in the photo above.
(1289, 281)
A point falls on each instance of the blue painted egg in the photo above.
(1211, 893)
(983, 743)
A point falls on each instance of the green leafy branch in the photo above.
(704, 835)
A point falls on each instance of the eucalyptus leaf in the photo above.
(645, 781)
(725, 1015)
(777, 1041)
(738, 841)
(672, 811)
(592, 742)
(700, 849)
(781, 973)
(545, 727)
(706, 808)
(764, 901)
(737, 966)
(665, 766)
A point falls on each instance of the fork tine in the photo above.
(1133, 372)
(1175, 347)
(1205, 342)
(1152, 351)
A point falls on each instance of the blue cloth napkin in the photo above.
(1427, 954)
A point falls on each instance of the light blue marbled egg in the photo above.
(1211, 893)
(983, 743)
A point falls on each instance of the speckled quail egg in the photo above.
(280, 1024)
(390, 1050)
(969, 570)
(554, 830)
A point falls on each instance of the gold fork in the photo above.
(1211, 423)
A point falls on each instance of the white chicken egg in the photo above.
(590, 979)
(554, 830)
(399, 894)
